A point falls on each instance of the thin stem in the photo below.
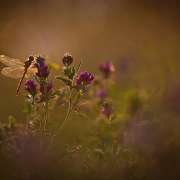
(68, 112)
(31, 116)
(45, 115)
(67, 115)
(45, 108)
(70, 104)
(40, 125)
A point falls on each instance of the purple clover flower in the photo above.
(31, 87)
(107, 69)
(46, 89)
(43, 69)
(84, 78)
(107, 110)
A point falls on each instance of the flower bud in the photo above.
(67, 59)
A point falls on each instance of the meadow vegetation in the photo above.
(105, 129)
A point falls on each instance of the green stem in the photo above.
(69, 111)
(45, 116)
(67, 115)
(45, 107)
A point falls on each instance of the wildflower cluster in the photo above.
(75, 83)
(71, 95)
(112, 131)
(40, 79)
(71, 75)
(40, 90)
(40, 87)
(101, 91)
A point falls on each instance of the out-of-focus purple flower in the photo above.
(46, 88)
(43, 69)
(84, 78)
(67, 59)
(107, 69)
(31, 87)
(107, 110)
(102, 94)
